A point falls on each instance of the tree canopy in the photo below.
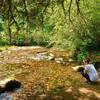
(68, 24)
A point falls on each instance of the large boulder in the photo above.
(10, 84)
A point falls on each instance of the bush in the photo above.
(3, 42)
(20, 40)
(83, 53)
(40, 38)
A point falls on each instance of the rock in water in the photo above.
(3, 82)
(10, 84)
(7, 87)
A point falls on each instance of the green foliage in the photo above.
(3, 42)
(20, 40)
(40, 38)
(2, 48)
(82, 54)
(1, 28)
(69, 25)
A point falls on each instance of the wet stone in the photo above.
(42, 56)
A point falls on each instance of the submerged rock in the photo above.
(6, 96)
(42, 56)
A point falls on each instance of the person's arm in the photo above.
(86, 70)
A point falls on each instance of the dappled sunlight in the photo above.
(60, 95)
(89, 92)
(45, 79)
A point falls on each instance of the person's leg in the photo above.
(85, 75)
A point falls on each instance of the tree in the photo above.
(68, 24)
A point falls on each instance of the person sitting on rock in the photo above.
(9, 88)
(89, 72)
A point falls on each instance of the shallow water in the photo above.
(43, 79)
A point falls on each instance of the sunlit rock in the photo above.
(59, 60)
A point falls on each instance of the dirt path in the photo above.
(45, 74)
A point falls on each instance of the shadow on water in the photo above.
(58, 93)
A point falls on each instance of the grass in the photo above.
(2, 48)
